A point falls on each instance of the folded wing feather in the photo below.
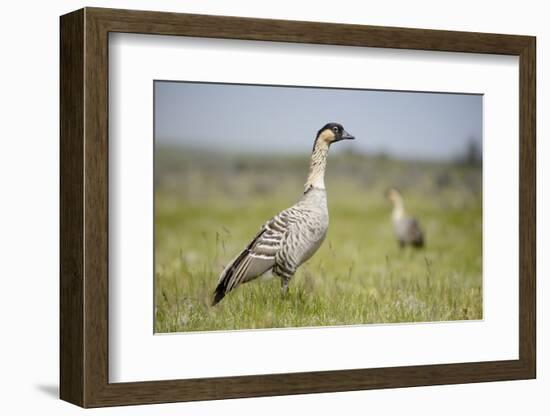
(256, 259)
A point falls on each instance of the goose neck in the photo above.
(317, 165)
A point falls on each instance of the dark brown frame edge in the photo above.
(84, 207)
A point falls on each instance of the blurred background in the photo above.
(229, 157)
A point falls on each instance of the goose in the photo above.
(292, 236)
(407, 229)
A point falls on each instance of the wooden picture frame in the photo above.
(84, 207)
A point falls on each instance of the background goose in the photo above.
(291, 237)
(407, 229)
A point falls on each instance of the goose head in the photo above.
(394, 196)
(332, 133)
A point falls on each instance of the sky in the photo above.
(273, 119)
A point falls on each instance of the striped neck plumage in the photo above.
(317, 166)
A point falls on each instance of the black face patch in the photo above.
(337, 128)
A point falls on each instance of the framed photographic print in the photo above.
(255, 207)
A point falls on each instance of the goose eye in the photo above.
(335, 129)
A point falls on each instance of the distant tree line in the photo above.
(472, 155)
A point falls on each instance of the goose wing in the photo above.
(257, 258)
(408, 231)
(414, 232)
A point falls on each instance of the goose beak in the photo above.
(347, 136)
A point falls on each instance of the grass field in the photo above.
(208, 207)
